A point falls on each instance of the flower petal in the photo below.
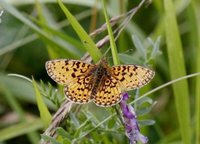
(131, 123)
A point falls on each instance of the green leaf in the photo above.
(85, 38)
(60, 131)
(139, 47)
(66, 141)
(44, 112)
(177, 69)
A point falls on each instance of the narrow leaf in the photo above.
(44, 112)
(196, 37)
(111, 37)
(85, 38)
(177, 69)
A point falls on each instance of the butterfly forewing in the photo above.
(64, 71)
(75, 75)
(132, 76)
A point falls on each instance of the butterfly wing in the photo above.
(79, 91)
(108, 93)
(64, 71)
(74, 75)
(132, 76)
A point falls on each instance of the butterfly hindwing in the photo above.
(108, 92)
(80, 91)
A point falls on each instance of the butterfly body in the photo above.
(99, 83)
(100, 71)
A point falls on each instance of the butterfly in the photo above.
(104, 85)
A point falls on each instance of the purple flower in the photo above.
(131, 123)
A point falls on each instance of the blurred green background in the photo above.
(32, 32)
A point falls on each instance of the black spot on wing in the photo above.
(73, 75)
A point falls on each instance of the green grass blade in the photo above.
(40, 12)
(198, 100)
(85, 38)
(177, 69)
(195, 6)
(20, 129)
(193, 20)
(65, 37)
(44, 112)
(43, 21)
(111, 37)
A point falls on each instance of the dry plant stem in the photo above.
(128, 16)
(57, 119)
(114, 20)
(94, 14)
